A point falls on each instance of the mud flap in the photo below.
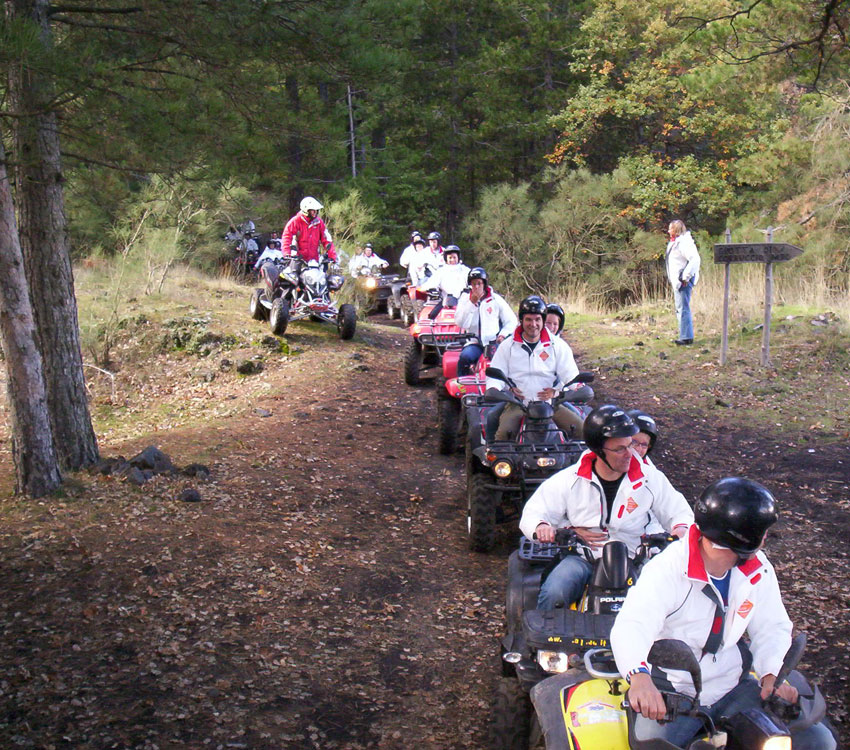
(546, 698)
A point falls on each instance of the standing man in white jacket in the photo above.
(682, 259)
(608, 495)
(708, 591)
(541, 365)
(482, 312)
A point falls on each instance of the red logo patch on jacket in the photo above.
(544, 356)
(489, 310)
(631, 505)
(745, 609)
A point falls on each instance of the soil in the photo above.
(321, 594)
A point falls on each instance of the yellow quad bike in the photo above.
(559, 683)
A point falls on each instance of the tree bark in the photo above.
(43, 232)
(36, 466)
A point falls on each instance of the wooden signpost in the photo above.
(752, 252)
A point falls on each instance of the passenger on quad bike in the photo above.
(607, 495)
(408, 252)
(644, 441)
(423, 263)
(554, 320)
(366, 262)
(709, 591)
(304, 233)
(482, 312)
(541, 365)
(449, 280)
(434, 246)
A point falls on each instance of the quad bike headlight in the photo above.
(553, 661)
(371, 283)
(502, 469)
(777, 743)
(545, 461)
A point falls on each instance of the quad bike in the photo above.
(560, 683)
(430, 338)
(502, 474)
(379, 290)
(559, 659)
(450, 390)
(299, 290)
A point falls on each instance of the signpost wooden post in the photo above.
(752, 252)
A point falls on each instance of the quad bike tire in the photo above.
(279, 316)
(258, 312)
(412, 362)
(510, 721)
(346, 322)
(480, 513)
(393, 310)
(448, 419)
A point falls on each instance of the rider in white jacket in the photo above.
(450, 279)
(482, 312)
(709, 590)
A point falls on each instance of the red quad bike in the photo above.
(451, 388)
(299, 293)
(502, 474)
(430, 338)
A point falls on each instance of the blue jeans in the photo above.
(468, 357)
(745, 695)
(682, 298)
(565, 583)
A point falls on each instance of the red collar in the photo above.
(585, 467)
(545, 339)
(696, 566)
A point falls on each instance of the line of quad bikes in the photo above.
(559, 686)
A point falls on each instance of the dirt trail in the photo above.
(320, 596)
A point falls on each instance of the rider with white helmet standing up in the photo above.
(305, 232)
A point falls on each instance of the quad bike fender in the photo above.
(450, 358)
(576, 711)
(456, 388)
(270, 275)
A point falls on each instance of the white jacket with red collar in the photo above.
(307, 236)
(550, 364)
(574, 497)
(488, 318)
(668, 602)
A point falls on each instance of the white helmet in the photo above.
(309, 203)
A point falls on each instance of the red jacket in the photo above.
(307, 236)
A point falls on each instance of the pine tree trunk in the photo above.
(44, 242)
(36, 466)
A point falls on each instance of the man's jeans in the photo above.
(565, 583)
(682, 298)
(745, 695)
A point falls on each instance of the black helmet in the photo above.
(419, 241)
(532, 305)
(368, 244)
(414, 235)
(452, 249)
(645, 424)
(736, 513)
(477, 273)
(554, 309)
(435, 236)
(605, 422)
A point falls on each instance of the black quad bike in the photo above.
(300, 290)
(560, 684)
(502, 474)
(382, 291)
(560, 659)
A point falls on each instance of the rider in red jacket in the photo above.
(306, 231)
